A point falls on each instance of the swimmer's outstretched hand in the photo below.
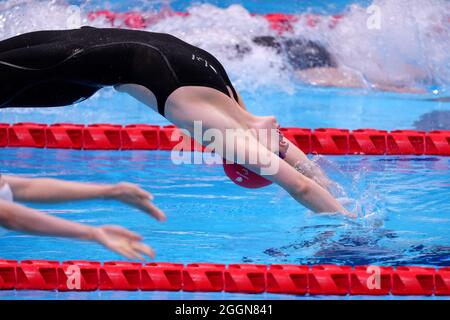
(123, 241)
(134, 196)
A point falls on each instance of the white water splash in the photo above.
(410, 48)
(355, 191)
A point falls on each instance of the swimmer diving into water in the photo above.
(118, 239)
(182, 82)
(312, 63)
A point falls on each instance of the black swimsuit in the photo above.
(62, 67)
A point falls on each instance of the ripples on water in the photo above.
(404, 202)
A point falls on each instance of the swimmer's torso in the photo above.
(56, 68)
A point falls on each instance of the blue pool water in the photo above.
(210, 219)
(404, 199)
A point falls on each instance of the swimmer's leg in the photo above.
(24, 82)
(28, 39)
(183, 109)
(49, 94)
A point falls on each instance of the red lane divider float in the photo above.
(171, 137)
(291, 279)
(4, 134)
(406, 142)
(162, 276)
(442, 283)
(120, 276)
(438, 142)
(37, 275)
(133, 19)
(204, 277)
(367, 141)
(301, 137)
(8, 274)
(363, 282)
(102, 136)
(209, 277)
(413, 281)
(245, 278)
(140, 136)
(331, 141)
(27, 134)
(329, 280)
(65, 136)
(88, 279)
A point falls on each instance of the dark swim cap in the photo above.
(268, 41)
(306, 54)
(300, 53)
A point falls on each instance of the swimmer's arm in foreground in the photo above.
(123, 241)
(53, 191)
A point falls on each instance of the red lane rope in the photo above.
(209, 277)
(152, 137)
(280, 22)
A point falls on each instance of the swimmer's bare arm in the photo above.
(53, 190)
(17, 217)
(301, 188)
(331, 77)
(397, 89)
(343, 78)
(240, 100)
(295, 157)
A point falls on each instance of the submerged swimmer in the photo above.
(182, 82)
(313, 64)
(20, 218)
